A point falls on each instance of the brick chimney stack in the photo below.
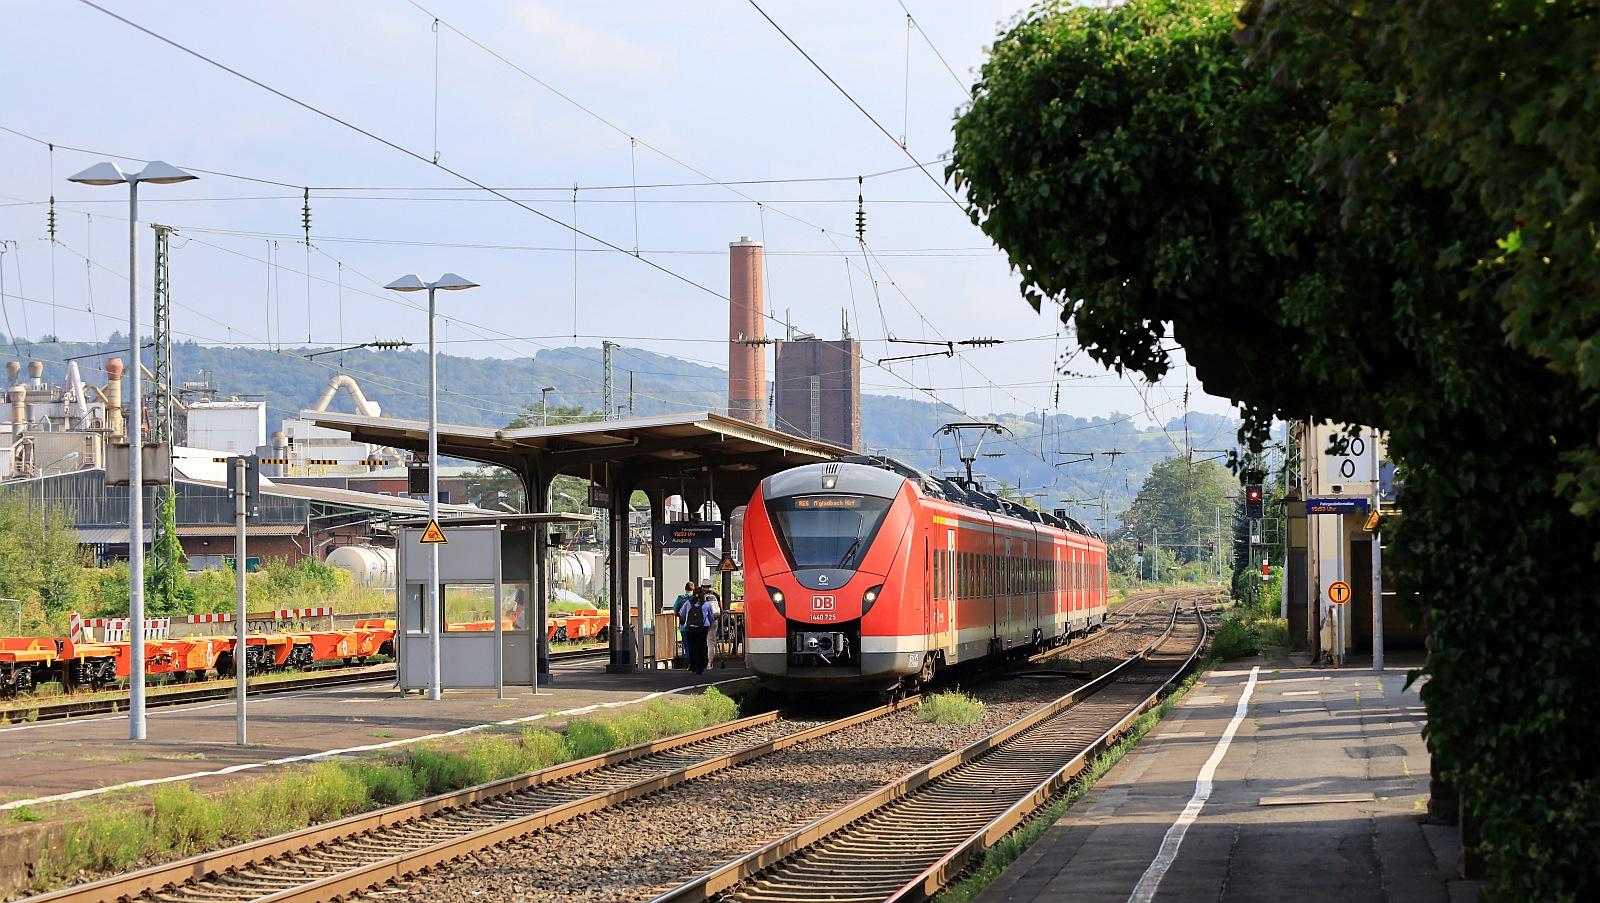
(747, 363)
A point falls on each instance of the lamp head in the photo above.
(100, 174)
(548, 389)
(452, 282)
(407, 283)
(162, 173)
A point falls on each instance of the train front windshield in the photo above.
(827, 531)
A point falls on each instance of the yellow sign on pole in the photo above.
(433, 534)
(1372, 522)
(727, 564)
(1339, 592)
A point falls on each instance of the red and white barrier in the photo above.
(286, 614)
(207, 619)
(116, 630)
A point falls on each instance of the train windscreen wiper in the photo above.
(849, 553)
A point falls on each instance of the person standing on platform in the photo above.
(699, 619)
(683, 599)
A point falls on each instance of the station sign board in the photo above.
(685, 534)
(1336, 506)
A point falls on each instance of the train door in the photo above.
(1023, 625)
(930, 622)
(947, 635)
(1060, 600)
(1007, 588)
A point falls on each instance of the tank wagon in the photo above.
(869, 574)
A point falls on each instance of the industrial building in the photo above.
(817, 389)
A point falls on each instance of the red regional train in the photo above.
(869, 574)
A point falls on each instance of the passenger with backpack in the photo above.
(699, 618)
(684, 598)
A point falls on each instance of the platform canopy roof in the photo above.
(716, 457)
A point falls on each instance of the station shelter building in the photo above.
(712, 462)
(1340, 489)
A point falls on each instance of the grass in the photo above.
(1013, 845)
(949, 707)
(1247, 629)
(181, 822)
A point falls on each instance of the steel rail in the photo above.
(368, 830)
(950, 854)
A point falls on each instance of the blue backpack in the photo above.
(695, 615)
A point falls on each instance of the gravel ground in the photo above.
(649, 846)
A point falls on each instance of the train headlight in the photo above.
(776, 595)
(870, 597)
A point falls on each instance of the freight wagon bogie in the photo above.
(14, 680)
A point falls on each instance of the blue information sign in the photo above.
(1336, 506)
(686, 534)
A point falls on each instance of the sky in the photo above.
(662, 131)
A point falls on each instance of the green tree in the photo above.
(1151, 185)
(166, 575)
(41, 562)
(1180, 505)
(534, 415)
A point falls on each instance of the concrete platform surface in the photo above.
(1269, 781)
(55, 761)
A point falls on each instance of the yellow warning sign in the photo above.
(727, 564)
(433, 534)
(1339, 592)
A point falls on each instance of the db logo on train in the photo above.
(822, 603)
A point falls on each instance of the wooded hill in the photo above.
(487, 392)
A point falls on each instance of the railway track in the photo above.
(221, 688)
(555, 822)
(914, 836)
(350, 856)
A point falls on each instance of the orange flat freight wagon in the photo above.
(23, 662)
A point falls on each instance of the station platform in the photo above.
(57, 761)
(1270, 780)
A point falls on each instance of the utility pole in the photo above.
(1377, 561)
(606, 403)
(164, 431)
(1155, 556)
(1216, 560)
(164, 435)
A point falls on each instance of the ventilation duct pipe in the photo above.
(363, 407)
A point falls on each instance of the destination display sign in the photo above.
(685, 534)
(828, 501)
(1336, 506)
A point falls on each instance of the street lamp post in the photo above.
(411, 283)
(43, 471)
(544, 403)
(158, 173)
